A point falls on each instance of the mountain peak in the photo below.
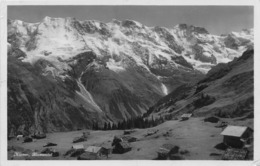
(115, 21)
(186, 27)
(16, 22)
(131, 23)
(57, 19)
(248, 31)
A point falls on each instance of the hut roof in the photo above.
(167, 146)
(186, 115)
(236, 131)
(79, 146)
(235, 154)
(125, 138)
(79, 139)
(152, 131)
(162, 150)
(49, 144)
(106, 146)
(93, 149)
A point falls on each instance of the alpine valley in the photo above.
(65, 74)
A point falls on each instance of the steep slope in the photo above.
(226, 91)
(118, 94)
(39, 102)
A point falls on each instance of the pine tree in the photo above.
(108, 126)
(132, 124)
(114, 126)
(93, 126)
(124, 126)
(119, 125)
(105, 126)
(97, 127)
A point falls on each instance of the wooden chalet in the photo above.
(236, 136)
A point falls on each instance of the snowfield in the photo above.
(66, 37)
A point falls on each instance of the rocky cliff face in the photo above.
(65, 74)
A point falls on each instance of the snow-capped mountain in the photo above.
(116, 69)
(66, 37)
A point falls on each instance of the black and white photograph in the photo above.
(130, 82)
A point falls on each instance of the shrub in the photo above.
(200, 88)
(184, 152)
(203, 100)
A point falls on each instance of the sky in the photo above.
(216, 19)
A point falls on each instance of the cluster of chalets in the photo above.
(236, 141)
(119, 145)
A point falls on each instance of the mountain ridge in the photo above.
(112, 71)
(226, 92)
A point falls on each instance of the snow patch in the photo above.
(86, 95)
(115, 66)
(63, 40)
(50, 69)
(164, 89)
(207, 54)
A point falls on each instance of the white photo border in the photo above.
(3, 81)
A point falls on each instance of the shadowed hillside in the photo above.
(226, 91)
